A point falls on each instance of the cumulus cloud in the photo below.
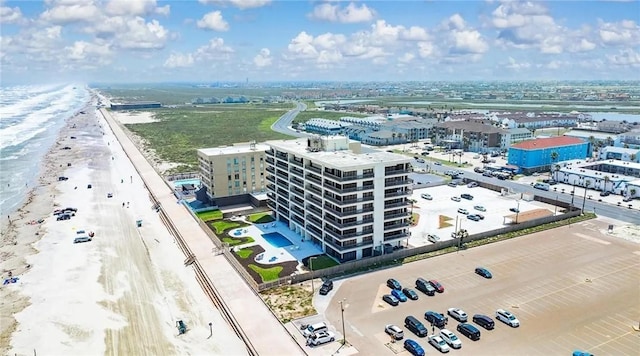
(623, 33)
(263, 59)
(352, 13)
(626, 57)
(142, 35)
(130, 8)
(179, 60)
(241, 4)
(86, 52)
(214, 50)
(64, 12)
(406, 58)
(10, 15)
(213, 21)
(460, 39)
(515, 65)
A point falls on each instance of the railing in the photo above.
(352, 223)
(341, 248)
(349, 235)
(347, 178)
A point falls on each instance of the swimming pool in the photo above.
(276, 239)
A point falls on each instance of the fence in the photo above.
(180, 176)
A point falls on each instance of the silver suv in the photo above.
(507, 318)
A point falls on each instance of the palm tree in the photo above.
(609, 141)
(632, 191)
(554, 156)
(633, 157)
(606, 181)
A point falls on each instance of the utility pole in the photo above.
(344, 335)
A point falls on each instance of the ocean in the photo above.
(30, 120)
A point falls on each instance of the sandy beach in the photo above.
(122, 292)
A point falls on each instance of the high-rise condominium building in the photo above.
(233, 170)
(352, 201)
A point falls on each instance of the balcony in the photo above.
(347, 213)
(270, 152)
(271, 178)
(347, 201)
(298, 201)
(297, 192)
(271, 204)
(314, 169)
(317, 233)
(336, 245)
(347, 178)
(314, 178)
(398, 182)
(270, 160)
(312, 219)
(297, 181)
(282, 155)
(395, 226)
(397, 236)
(271, 187)
(340, 225)
(347, 190)
(283, 166)
(283, 184)
(393, 172)
(282, 175)
(314, 200)
(297, 171)
(398, 193)
(296, 162)
(271, 169)
(315, 211)
(397, 205)
(347, 236)
(397, 215)
(283, 201)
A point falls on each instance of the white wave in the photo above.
(41, 114)
(17, 101)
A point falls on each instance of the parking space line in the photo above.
(613, 326)
(593, 239)
(612, 339)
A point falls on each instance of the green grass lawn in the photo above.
(222, 225)
(210, 215)
(237, 241)
(261, 218)
(244, 253)
(322, 262)
(305, 116)
(447, 163)
(267, 274)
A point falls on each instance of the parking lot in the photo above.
(573, 287)
(438, 216)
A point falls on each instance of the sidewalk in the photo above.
(268, 336)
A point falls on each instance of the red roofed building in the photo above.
(541, 154)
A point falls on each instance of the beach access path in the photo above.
(267, 335)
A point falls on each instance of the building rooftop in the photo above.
(620, 150)
(234, 149)
(598, 135)
(340, 159)
(327, 124)
(548, 142)
(472, 126)
(518, 130)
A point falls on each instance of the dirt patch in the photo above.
(290, 302)
(443, 222)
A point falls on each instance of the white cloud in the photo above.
(69, 11)
(241, 4)
(406, 58)
(130, 7)
(214, 50)
(142, 35)
(263, 59)
(626, 57)
(459, 38)
(10, 15)
(213, 21)
(623, 33)
(88, 53)
(302, 47)
(163, 10)
(179, 60)
(350, 14)
(426, 49)
(515, 65)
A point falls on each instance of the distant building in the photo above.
(629, 139)
(326, 126)
(231, 173)
(620, 154)
(615, 127)
(536, 155)
(511, 136)
(613, 176)
(530, 121)
(474, 136)
(136, 105)
(350, 200)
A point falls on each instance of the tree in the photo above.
(632, 191)
(609, 141)
(554, 156)
(633, 157)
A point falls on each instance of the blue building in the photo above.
(537, 155)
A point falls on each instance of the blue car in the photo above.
(483, 272)
(413, 347)
(398, 294)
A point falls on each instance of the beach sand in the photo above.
(122, 292)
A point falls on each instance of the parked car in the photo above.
(515, 210)
(410, 293)
(89, 186)
(605, 194)
(472, 185)
(426, 196)
(463, 211)
(466, 196)
(455, 199)
(63, 178)
(109, 195)
(393, 284)
(480, 208)
(320, 338)
(63, 217)
(450, 338)
(438, 343)
(394, 331)
(457, 314)
(399, 295)
(478, 170)
(425, 287)
(390, 299)
(327, 286)
(413, 347)
(484, 321)
(314, 329)
(487, 174)
(452, 184)
(581, 353)
(479, 216)
(415, 326)
(483, 272)
(469, 331)
(436, 319)
(78, 240)
(473, 217)
(437, 285)
(507, 318)
(436, 163)
(433, 238)
(420, 160)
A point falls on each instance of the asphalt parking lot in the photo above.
(574, 287)
(438, 216)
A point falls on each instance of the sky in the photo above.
(143, 41)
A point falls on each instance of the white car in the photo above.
(394, 331)
(455, 198)
(426, 196)
(480, 208)
(438, 343)
(450, 338)
(463, 211)
(321, 338)
(507, 318)
(457, 314)
(433, 238)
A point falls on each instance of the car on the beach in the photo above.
(62, 178)
(81, 239)
(89, 186)
(63, 217)
(109, 195)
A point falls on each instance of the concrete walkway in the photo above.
(268, 336)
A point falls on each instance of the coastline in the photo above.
(22, 229)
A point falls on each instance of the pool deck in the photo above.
(296, 252)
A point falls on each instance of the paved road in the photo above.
(604, 209)
(283, 123)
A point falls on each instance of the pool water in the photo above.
(276, 239)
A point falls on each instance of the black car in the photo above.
(62, 178)
(390, 299)
(466, 196)
(484, 321)
(469, 331)
(327, 286)
(605, 194)
(64, 217)
(483, 272)
(415, 326)
(410, 293)
(393, 284)
(515, 210)
(425, 287)
(436, 319)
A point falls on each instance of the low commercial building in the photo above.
(326, 126)
(620, 153)
(231, 173)
(613, 176)
(540, 154)
(350, 200)
(137, 105)
(474, 136)
(516, 135)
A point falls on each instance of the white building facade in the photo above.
(352, 203)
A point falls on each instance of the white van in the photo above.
(314, 328)
(542, 186)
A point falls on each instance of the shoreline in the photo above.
(22, 229)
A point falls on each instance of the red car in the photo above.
(437, 285)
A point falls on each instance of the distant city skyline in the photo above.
(146, 41)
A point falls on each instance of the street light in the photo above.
(517, 210)
(344, 335)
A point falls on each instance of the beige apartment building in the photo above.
(235, 170)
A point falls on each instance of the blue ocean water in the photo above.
(30, 120)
